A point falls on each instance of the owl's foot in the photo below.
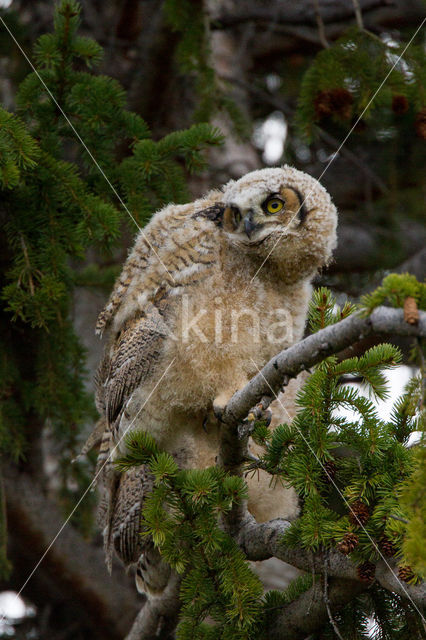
(222, 399)
(258, 413)
(220, 402)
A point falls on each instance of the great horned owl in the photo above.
(210, 292)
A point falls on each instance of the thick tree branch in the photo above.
(294, 623)
(261, 541)
(231, 13)
(73, 573)
(158, 618)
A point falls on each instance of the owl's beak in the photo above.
(249, 224)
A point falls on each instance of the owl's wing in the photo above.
(164, 254)
(119, 517)
(133, 486)
(129, 362)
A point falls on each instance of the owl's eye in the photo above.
(237, 215)
(273, 205)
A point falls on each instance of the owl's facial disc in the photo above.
(252, 221)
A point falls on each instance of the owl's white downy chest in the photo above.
(227, 327)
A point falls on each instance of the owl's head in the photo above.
(283, 214)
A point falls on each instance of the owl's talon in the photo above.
(259, 413)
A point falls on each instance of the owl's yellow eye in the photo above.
(273, 205)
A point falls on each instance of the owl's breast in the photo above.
(224, 329)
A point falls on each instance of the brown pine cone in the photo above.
(406, 574)
(366, 572)
(420, 124)
(387, 546)
(322, 104)
(330, 470)
(399, 105)
(334, 101)
(348, 544)
(411, 310)
(359, 513)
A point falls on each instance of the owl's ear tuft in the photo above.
(214, 213)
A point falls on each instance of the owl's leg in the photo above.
(258, 412)
(223, 397)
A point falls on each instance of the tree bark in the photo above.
(158, 618)
(294, 623)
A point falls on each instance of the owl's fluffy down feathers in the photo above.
(210, 292)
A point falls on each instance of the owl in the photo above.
(210, 292)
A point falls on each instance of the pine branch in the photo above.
(262, 541)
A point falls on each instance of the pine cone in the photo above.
(358, 126)
(399, 105)
(334, 101)
(406, 574)
(420, 124)
(348, 544)
(366, 572)
(330, 470)
(387, 546)
(411, 310)
(359, 513)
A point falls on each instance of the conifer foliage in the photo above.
(341, 87)
(59, 200)
(182, 516)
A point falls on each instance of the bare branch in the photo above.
(328, 602)
(320, 23)
(358, 14)
(231, 13)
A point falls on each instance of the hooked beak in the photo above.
(249, 224)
